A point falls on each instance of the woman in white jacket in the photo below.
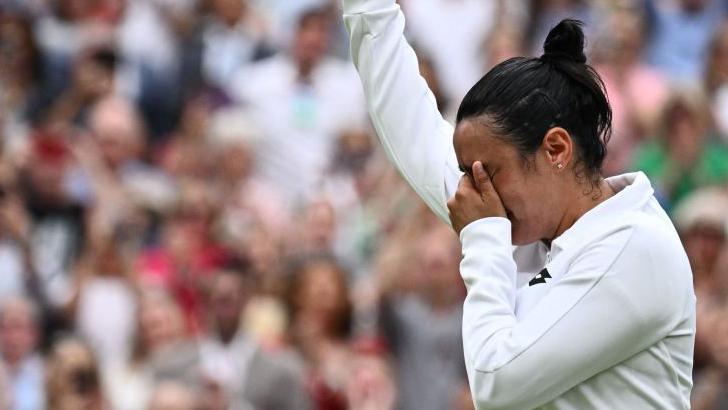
(593, 308)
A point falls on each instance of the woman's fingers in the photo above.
(474, 199)
(482, 180)
(488, 193)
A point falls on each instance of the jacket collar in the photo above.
(633, 191)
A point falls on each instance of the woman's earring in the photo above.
(559, 165)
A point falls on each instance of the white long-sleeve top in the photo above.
(613, 327)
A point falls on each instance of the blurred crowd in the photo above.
(196, 214)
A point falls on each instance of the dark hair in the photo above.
(340, 322)
(522, 98)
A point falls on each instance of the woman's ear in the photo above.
(558, 147)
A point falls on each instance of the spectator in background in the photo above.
(321, 320)
(702, 223)
(162, 351)
(104, 302)
(91, 78)
(679, 36)
(316, 228)
(301, 100)
(346, 191)
(233, 36)
(20, 362)
(263, 250)
(684, 156)
(56, 216)
(72, 378)
(169, 350)
(226, 351)
(421, 315)
(636, 91)
(249, 201)
(188, 253)
(20, 80)
(185, 153)
(160, 62)
(111, 173)
(117, 128)
(248, 375)
(113, 158)
(19, 276)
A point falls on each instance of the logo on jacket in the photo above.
(540, 278)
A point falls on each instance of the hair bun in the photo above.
(565, 42)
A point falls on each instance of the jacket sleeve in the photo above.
(609, 305)
(417, 140)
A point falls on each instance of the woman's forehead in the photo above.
(474, 140)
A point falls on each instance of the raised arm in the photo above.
(415, 137)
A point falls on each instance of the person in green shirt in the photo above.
(685, 155)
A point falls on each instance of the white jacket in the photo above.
(613, 327)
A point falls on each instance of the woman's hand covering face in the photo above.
(475, 198)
